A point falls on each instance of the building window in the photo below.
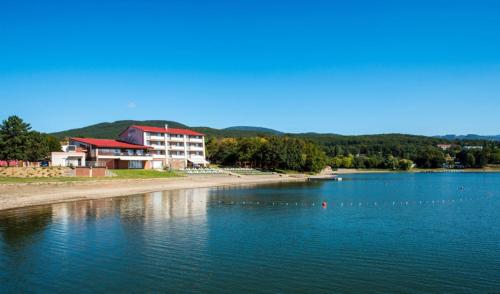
(108, 151)
(134, 164)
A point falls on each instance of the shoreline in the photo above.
(347, 171)
(21, 195)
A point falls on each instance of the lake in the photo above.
(379, 233)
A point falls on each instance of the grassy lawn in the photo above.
(142, 174)
(120, 175)
(13, 180)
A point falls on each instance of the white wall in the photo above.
(67, 158)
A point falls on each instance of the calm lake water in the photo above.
(386, 233)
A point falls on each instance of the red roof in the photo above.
(107, 143)
(167, 131)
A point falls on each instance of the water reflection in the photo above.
(17, 227)
(197, 241)
(151, 206)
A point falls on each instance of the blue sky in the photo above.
(348, 67)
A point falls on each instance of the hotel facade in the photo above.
(170, 147)
(145, 147)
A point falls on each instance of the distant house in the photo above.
(473, 147)
(171, 147)
(444, 146)
(114, 154)
(71, 155)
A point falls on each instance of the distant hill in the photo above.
(471, 137)
(113, 129)
(253, 129)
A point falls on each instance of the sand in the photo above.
(23, 195)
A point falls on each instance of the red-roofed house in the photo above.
(174, 148)
(114, 153)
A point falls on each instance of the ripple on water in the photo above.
(250, 240)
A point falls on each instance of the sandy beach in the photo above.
(30, 194)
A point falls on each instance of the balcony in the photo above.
(176, 139)
(157, 138)
(175, 147)
(194, 140)
(196, 148)
(125, 155)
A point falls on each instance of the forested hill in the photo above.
(355, 144)
(236, 146)
(471, 137)
(113, 129)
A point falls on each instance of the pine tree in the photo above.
(14, 139)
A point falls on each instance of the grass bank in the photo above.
(121, 174)
(142, 174)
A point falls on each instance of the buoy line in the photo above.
(350, 203)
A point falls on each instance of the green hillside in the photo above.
(113, 129)
(253, 129)
(363, 151)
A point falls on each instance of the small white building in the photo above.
(70, 156)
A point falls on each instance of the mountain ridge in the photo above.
(470, 137)
(113, 129)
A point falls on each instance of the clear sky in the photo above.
(348, 67)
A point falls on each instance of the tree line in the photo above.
(383, 151)
(300, 152)
(268, 153)
(19, 142)
(314, 152)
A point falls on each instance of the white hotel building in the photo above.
(174, 148)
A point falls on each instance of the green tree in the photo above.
(392, 163)
(38, 148)
(53, 144)
(470, 160)
(316, 159)
(405, 164)
(14, 139)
